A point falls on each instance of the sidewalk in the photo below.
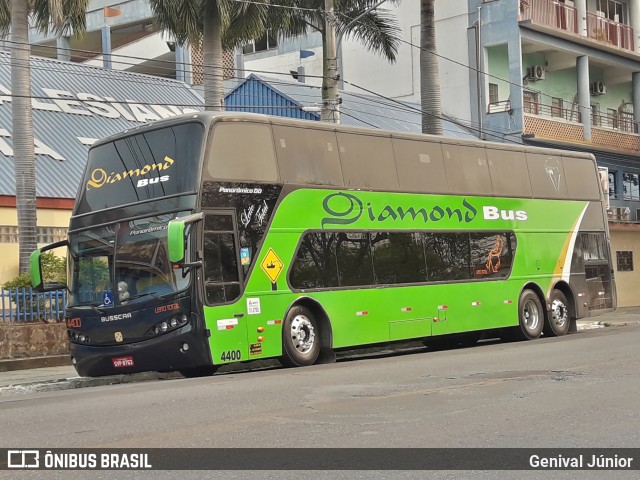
(57, 373)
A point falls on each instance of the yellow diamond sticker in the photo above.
(272, 265)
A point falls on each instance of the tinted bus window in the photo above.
(353, 255)
(315, 264)
(141, 167)
(221, 275)
(447, 256)
(395, 258)
(242, 151)
(398, 258)
(491, 254)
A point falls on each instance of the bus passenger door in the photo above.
(225, 315)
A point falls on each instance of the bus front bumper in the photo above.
(177, 350)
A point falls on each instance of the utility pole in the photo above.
(330, 101)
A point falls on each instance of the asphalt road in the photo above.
(581, 390)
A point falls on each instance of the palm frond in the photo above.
(5, 16)
(378, 30)
(62, 17)
(244, 22)
(183, 18)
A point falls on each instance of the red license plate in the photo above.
(122, 362)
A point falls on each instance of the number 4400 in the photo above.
(230, 355)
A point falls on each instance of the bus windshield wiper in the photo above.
(145, 294)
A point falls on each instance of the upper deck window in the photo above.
(139, 167)
(241, 151)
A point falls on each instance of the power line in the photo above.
(115, 57)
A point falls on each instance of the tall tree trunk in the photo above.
(23, 149)
(429, 73)
(212, 68)
(330, 109)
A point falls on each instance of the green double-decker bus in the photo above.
(215, 238)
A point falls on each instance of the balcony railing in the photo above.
(560, 113)
(608, 31)
(614, 122)
(497, 107)
(552, 14)
(544, 121)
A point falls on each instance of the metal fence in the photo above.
(27, 305)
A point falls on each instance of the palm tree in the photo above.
(61, 17)
(212, 23)
(429, 73)
(376, 29)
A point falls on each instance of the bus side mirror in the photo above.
(177, 239)
(38, 282)
(35, 268)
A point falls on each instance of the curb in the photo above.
(34, 362)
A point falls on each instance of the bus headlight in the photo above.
(168, 325)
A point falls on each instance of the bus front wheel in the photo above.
(300, 338)
(559, 320)
(530, 316)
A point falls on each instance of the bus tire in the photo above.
(300, 338)
(559, 319)
(530, 316)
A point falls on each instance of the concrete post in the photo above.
(584, 96)
(179, 62)
(581, 7)
(106, 47)
(63, 48)
(636, 98)
(634, 13)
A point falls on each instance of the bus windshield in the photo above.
(122, 263)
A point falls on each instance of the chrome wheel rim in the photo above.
(303, 334)
(531, 315)
(559, 314)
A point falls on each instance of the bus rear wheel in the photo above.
(530, 316)
(559, 320)
(300, 338)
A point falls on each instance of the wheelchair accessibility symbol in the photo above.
(107, 301)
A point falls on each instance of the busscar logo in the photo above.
(114, 318)
(23, 459)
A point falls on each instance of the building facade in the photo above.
(565, 74)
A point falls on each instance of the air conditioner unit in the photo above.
(535, 73)
(598, 88)
(619, 214)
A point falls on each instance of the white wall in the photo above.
(451, 41)
(400, 80)
(269, 65)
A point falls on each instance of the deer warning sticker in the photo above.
(272, 265)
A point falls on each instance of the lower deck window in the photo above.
(363, 259)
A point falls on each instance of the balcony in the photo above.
(607, 31)
(561, 17)
(551, 13)
(617, 132)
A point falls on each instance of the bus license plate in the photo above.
(122, 362)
